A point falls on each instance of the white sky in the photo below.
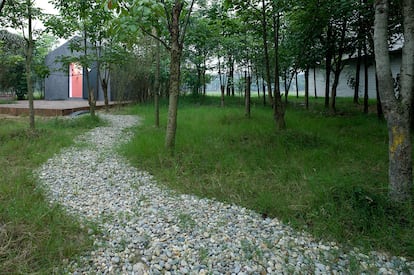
(46, 6)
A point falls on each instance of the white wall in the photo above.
(344, 90)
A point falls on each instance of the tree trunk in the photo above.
(357, 75)
(396, 110)
(264, 92)
(91, 95)
(307, 88)
(29, 57)
(157, 83)
(296, 84)
(175, 51)
(380, 113)
(328, 65)
(338, 64)
(266, 53)
(248, 92)
(221, 85)
(314, 82)
(366, 83)
(278, 108)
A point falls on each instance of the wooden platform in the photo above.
(50, 107)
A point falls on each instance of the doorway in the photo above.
(75, 80)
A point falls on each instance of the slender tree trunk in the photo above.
(328, 65)
(278, 108)
(296, 84)
(314, 82)
(204, 75)
(358, 65)
(29, 57)
(230, 80)
(221, 85)
(357, 76)
(264, 91)
(157, 82)
(338, 64)
(397, 111)
(366, 82)
(257, 83)
(266, 53)
(248, 92)
(91, 95)
(307, 87)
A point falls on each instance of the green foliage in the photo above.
(325, 174)
(34, 237)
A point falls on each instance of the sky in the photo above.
(46, 6)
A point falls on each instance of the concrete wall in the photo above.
(57, 83)
(344, 88)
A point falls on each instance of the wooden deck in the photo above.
(50, 107)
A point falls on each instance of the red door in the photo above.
(75, 80)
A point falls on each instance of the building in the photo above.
(347, 78)
(67, 80)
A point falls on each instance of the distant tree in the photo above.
(12, 66)
(396, 103)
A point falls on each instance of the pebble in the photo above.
(144, 228)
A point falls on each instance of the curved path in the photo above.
(147, 229)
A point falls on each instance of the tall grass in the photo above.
(34, 237)
(326, 173)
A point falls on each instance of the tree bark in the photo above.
(29, 57)
(307, 88)
(366, 82)
(357, 75)
(175, 51)
(157, 83)
(91, 95)
(221, 85)
(396, 109)
(328, 65)
(314, 82)
(266, 53)
(338, 64)
(278, 108)
(296, 85)
(248, 92)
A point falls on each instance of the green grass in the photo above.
(34, 237)
(326, 173)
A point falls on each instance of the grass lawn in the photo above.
(35, 238)
(326, 173)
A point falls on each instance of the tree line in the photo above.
(171, 41)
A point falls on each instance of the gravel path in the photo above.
(146, 229)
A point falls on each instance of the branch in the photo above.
(156, 38)
(167, 15)
(187, 19)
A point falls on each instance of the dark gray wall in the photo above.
(57, 83)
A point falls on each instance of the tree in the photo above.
(90, 21)
(396, 103)
(162, 15)
(12, 67)
(19, 14)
